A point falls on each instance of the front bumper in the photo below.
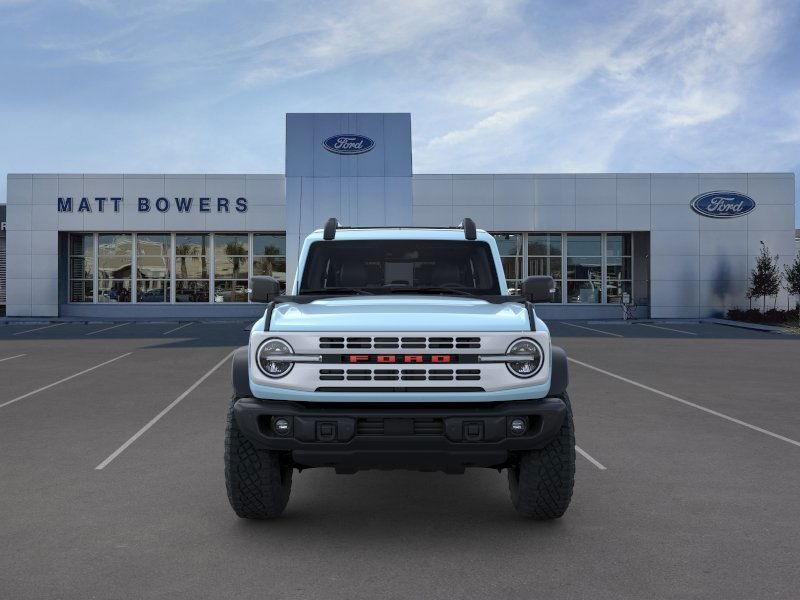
(350, 437)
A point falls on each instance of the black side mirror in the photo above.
(539, 288)
(264, 288)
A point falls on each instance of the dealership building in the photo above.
(124, 246)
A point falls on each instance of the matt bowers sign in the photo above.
(347, 143)
(723, 205)
(181, 205)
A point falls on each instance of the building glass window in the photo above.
(114, 267)
(619, 268)
(545, 258)
(191, 267)
(231, 262)
(269, 256)
(510, 246)
(584, 268)
(81, 267)
(153, 259)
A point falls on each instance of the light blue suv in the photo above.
(400, 349)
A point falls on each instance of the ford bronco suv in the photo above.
(400, 349)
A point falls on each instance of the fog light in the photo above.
(518, 426)
(281, 426)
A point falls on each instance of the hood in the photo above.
(406, 313)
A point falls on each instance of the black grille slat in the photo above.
(384, 374)
(393, 343)
(421, 426)
(331, 342)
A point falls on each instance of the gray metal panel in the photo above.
(513, 190)
(554, 189)
(596, 189)
(397, 142)
(372, 163)
(299, 143)
(473, 189)
(633, 188)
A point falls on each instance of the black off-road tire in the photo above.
(258, 481)
(541, 481)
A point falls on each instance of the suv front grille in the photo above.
(399, 374)
(391, 343)
(416, 426)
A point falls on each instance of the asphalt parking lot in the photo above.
(111, 479)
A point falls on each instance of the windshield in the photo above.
(395, 266)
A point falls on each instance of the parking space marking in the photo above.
(666, 328)
(55, 383)
(590, 329)
(107, 328)
(10, 357)
(688, 403)
(590, 458)
(177, 328)
(39, 328)
(158, 417)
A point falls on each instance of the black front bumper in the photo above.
(447, 437)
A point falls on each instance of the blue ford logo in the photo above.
(347, 143)
(723, 205)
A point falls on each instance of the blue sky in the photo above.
(493, 86)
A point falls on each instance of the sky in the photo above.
(495, 86)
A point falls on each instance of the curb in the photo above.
(745, 325)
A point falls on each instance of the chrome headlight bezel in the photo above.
(525, 346)
(274, 345)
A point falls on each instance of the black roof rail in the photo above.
(330, 228)
(468, 225)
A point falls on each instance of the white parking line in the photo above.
(107, 328)
(39, 328)
(590, 458)
(687, 403)
(667, 328)
(590, 329)
(155, 419)
(177, 328)
(49, 385)
(10, 357)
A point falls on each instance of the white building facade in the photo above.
(670, 245)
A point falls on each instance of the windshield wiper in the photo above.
(336, 290)
(433, 290)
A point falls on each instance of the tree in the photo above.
(765, 279)
(791, 275)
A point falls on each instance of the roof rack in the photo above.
(332, 224)
(468, 225)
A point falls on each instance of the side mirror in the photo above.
(264, 288)
(539, 288)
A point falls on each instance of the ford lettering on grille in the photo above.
(399, 358)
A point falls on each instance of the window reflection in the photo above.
(153, 260)
(114, 267)
(544, 258)
(191, 267)
(81, 267)
(269, 256)
(231, 267)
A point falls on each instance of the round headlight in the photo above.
(274, 368)
(526, 368)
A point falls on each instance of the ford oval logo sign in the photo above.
(347, 143)
(723, 205)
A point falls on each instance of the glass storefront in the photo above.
(597, 267)
(171, 268)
